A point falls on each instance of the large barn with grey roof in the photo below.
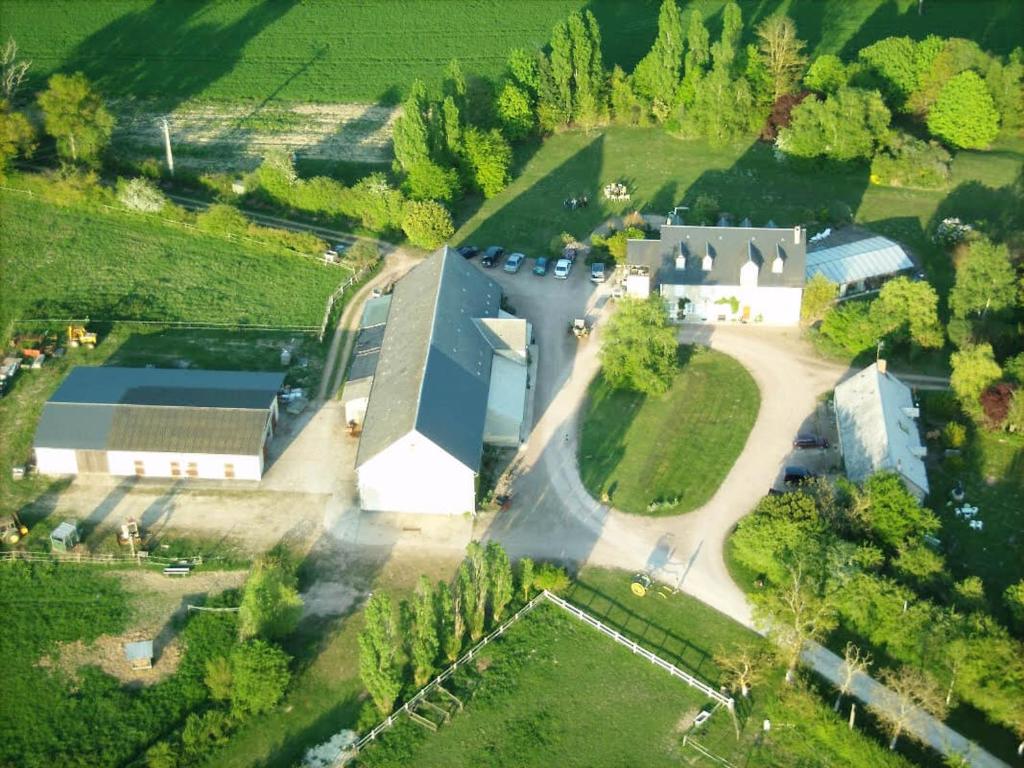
(155, 422)
(451, 374)
(716, 274)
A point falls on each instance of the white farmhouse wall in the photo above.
(774, 306)
(208, 466)
(56, 461)
(414, 475)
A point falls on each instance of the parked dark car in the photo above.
(810, 441)
(797, 475)
(467, 251)
(540, 267)
(492, 255)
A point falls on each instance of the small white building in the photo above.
(719, 274)
(451, 375)
(154, 422)
(877, 422)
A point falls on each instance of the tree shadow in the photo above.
(167, 32)
(997, 212)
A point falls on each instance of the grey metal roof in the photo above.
(156, 409)
(143, 649)
(844, 260)
(730, 248)
(375, 311)
(363, 366)
(434, 367)
(877, 427)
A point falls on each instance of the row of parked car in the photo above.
(514, 262)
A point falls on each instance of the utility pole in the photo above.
(167, 145)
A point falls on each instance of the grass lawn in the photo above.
(552, 692)
(61, 262)
(321, 50)
(663, 171)
(639, 450)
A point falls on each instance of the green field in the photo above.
(67, 262)
(323, 50)
(638, 450)
(663, 172)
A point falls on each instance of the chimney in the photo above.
(881, 365)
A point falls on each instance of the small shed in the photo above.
(139, 654)
(64, 537)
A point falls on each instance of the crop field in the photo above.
(66, 262)
(329, 51)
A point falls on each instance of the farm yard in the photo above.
(67, 262)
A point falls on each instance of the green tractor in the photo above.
(12, 530)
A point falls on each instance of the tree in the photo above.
(985, 280)
(855, 661)
(454, 81)
(218, 678)
(561, 71)
(827, 74)
(259, 673)
(161, 755)
(965, 114)
(377, 649)
(451, 125)
(911, 304)
(640, 350)
(140, 194)
(17, 137)
(489, 158)
(913, 689)
(970, 593)
(427, 180)
(1013, 596)
(75, 116)
(819, 294)
(410, 137)
(1015, 416)
(698, 54)
(796, 611)
(427, 224)
(995, 404)
(515, 111)
(448, 618)
(782, 52)
(743, 666)
(12, 71)
(205, 732)
(522, 66)
(901, 63)
(588, 97)
(657, 75)
(893, 515)
(423, 643)
(551, 578)
(479, 575)
(851, 326)
(849, 124)
(732, 28)
(919, 565)
(499, 577)
(524, 578)
(271, 605)
(974, 369)
(626, 107)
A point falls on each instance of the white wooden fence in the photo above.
(407, 707)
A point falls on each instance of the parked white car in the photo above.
(562, 267)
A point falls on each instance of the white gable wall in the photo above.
(56, 461)
(414, 475)
(774, 306)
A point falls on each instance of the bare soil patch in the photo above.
(160, 603)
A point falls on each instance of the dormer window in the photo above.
(778, 263)
(681, 257)
(708, 262)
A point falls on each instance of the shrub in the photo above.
(954, 434)
(260, 673)
(426, 180)
(218, 678)
(551, 577)
(1014, 368)
(161, 755)
(995, 404)
(910, 162)
(205, 732)
(427, 224)
(222, 219)
(271, 605)
(1014, 599)
(705, 210)
(140, 195)
(850, 326)
(1015, 416)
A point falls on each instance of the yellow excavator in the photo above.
(77, 335)
(12, 530)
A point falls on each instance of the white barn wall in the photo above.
(776, 306)
(414, 475)
(56, 461)
(209, 466)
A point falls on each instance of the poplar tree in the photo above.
(561, 69)
(499, 577)
(698, 54)
(377, 648)
(657, 75)
(732, 28)
(423, 642)
(477, 586)
(449, 623)
(411, 137)
(524, 581)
